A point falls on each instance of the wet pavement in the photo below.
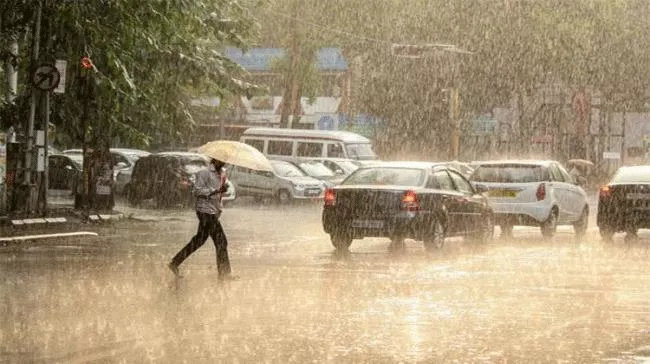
(110, 298)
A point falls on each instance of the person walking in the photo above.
(210, 184)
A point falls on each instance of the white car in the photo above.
(532, 193)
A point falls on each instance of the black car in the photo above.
(624, 203)
(64, 172)
(399, 200)
(167, 178)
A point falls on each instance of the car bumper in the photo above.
(404, 224)
(530, 214)
(621, 218)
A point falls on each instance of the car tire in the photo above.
(486, 233)
(549, 227)
(340, 241)
(580, 226)
(435, 240)
(283, 197)
(606, 234)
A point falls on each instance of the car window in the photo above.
(461, 184)
(316, 169)
(441, 181)
(280, 147)
(565, 175)
(193, 167)
(306, 149)
(286, 169)
(360, 151)
(255, 143)
(555, 173)
(510, 173)
(335, 151)
(387, 176)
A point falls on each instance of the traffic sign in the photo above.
(46, 77)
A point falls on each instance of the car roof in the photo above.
(338, 135)
(536, 162)
(180, 154)
(403, 164)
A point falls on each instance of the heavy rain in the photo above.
(293, 181)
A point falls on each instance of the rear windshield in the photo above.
(286, 169)
(632, 175)
(316, 169)
(360, 151)
(510, 173)
(410, 177)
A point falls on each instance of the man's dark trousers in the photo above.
(209, 226)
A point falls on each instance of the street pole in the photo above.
(32, 115)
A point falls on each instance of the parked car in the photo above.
(462, 167)
(340, 166)
(401, 200)
(533, 193)
(319, 171)
(124, 160)
(64, 172)
(285, 183)
(624, 203)
(167, 177)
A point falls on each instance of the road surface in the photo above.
(111, 298)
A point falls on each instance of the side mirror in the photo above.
(481, 188)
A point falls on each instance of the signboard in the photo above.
(611, 155)
(61, 66)
(484, 125)
(46, 77)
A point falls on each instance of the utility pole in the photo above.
(29, 135)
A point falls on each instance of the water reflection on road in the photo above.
(111, 299)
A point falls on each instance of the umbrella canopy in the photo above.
(581, 162)
(236, 153)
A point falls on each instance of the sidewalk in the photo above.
(63, 218)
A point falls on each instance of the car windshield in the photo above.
(510, 173)
(393, 176)
(632, 175)
(286, 169)
(360, 151)
(316, 169)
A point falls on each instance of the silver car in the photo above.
(123, 161)
(287, 182)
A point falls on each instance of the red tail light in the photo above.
(605, 192)
(410, 201)
(330, 197)
(541, 192)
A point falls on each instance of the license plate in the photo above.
(312, 192)
(368, 224)
(502, 193)
(638, 196)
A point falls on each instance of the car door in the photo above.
(442, 181)
(470, 204)
(563, 196)
(575, 194)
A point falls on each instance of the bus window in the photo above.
(280, 147)
(256, 143)
(335, 151)
(309, 149)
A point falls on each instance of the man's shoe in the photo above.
(174, 268)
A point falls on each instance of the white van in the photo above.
(293, 143)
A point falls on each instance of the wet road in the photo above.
(111, 298)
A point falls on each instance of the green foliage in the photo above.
(150, 57)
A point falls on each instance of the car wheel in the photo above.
(486, 232)
(580, 226)
(340, 241)
(436, 238)
(506, 231)
(631, 234)
(549, 227)
(283, 197)
(606, 233)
